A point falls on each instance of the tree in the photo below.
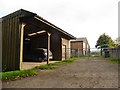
(104, 41)
(117, 41)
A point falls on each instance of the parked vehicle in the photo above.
(43, 54)
(37, 55)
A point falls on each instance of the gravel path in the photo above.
(83, 73)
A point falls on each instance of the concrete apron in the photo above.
(30, 65)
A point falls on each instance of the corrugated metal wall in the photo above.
(77, 45)
(115, 52)
(11, 40)
(0, 44)
(10, 43)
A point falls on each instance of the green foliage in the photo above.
(56, 64)
(115, 60)
(11, 75)
(116, 42)
(104, 41)
(42, 67)
(70, 60)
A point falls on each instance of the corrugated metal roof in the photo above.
(83, 39)
(20, 13)
(24, 13)
(57, 28)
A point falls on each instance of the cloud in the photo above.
(81, 18)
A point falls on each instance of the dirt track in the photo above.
(83, 73)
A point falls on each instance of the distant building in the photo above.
(80, 47)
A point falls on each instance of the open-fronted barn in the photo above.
(24, 32)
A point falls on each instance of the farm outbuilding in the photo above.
(80, 47)
(23, 32)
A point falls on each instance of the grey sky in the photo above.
(81, 18)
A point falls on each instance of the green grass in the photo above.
(69, 60)
(12, 75)
(42, 67)
(115, 60)
(56, 64)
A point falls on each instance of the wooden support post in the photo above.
(65, 53)
(78, 52)
(48, 49)
(21, 44)
(101, 52)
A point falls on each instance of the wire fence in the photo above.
(114, 53)
(68, 52)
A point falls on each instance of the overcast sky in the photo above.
(81, 18)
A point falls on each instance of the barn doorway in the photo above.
(35, 46)
(64, 54)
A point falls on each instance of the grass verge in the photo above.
(13, 75)
(115, 60)
(56, 64)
